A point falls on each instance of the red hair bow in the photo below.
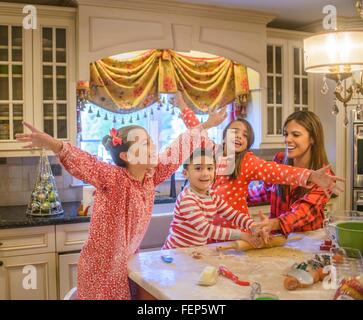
(115, 139)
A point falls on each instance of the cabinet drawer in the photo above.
(70, 237)
(24, 241)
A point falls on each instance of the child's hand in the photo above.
(215, 118)
(38, 139)
(325, 181)
(262, 228)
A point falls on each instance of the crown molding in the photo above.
(287, 34)
(175, 7)
(343, 23)
(16, 9)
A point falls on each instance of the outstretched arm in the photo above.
(258, 169)
(78, 163)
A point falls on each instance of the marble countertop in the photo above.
(178, 280)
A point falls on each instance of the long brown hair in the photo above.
(239, 155)
(312, 124)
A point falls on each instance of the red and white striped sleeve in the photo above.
(189, 209)
(238, 218)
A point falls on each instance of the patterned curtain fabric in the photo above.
(125, 86)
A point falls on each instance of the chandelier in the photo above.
(339, 56)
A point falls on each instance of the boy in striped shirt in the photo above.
(197, 205)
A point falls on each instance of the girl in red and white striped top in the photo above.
(196, 207)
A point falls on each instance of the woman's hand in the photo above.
(215, 118)
(39, 139)
(324, 180)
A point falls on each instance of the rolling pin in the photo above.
(276, 241)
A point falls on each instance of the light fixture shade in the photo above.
(334, 52)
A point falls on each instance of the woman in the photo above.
(297, 209)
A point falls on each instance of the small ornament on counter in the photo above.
(44, 200)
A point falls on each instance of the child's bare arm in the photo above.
(39, 139)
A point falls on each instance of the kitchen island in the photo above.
(178, 280)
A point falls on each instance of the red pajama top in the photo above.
(121, 214)
(295, 213)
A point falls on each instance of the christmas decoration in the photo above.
(44, 198)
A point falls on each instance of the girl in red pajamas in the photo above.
(296, 209)
(233, 187)
(123, 200)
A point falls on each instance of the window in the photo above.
(160, 120)
(300, 81)
(274, 89)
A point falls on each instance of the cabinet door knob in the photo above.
(1, 263)
(1, 243)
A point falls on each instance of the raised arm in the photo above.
(78, 163)
(86, 167)
(181, 149)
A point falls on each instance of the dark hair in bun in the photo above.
(123, 147)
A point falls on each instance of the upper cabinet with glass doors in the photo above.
(37, 75)
(287, 83)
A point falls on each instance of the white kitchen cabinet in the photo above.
(28, 267)
(71, 237)
(27, 241)
(28, 277)
(288, 85)
(67, 270)
(37, 75)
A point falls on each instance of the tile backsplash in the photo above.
(17, 179)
